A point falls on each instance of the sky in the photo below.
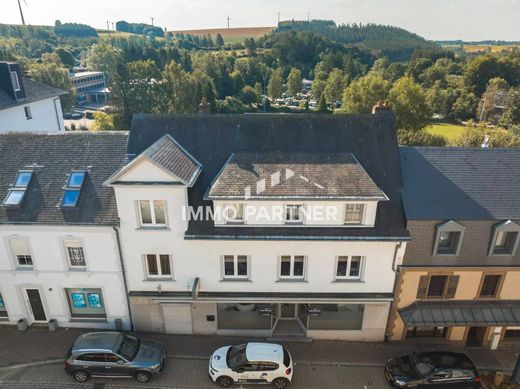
(432, 19)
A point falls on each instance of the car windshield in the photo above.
(422, 365)
(236, 356)
(129, 347)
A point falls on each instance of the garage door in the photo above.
(177, 318)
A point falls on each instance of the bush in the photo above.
(419, 138)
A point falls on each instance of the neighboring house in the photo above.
(59, 251)
(273, 262)
(460, 277)
(27, 105)
(90, 88)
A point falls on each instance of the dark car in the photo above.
(76, 115)
(431, 369)
(114, 354)
(67, 115)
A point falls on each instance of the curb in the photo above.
(32, 364)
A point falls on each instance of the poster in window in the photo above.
(2, 305)
(94, 300)
(78, 300)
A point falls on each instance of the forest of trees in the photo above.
(352, 67)
(139, 28)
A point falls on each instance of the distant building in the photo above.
(306, 85)
(89, 87)
(27, 105)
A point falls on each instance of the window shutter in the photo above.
(423, 287)
(453, 282)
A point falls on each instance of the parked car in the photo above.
(114, 354)
(67, 115)
(76, 115)
(260, 363)
(431, 369)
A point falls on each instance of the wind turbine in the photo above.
(152, 19)
(228, 19)
(21, 12)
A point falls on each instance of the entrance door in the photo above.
(35, 305)
(475, 336)
(288, 311)
(177, 318)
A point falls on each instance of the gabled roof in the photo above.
(443, 183)
(34, 91)
(52, 157)
(211, 139)
(294, 176)
(167, 154)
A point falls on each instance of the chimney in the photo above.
(381, 106)
(11, 80)
(204, 106)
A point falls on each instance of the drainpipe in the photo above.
(56, 112)
(120, 252)
(396, 272)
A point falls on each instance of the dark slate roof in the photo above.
(443, 183)
(211, 139)
(170, 155)
(52, 157)
(462, 313)
(34, 91)
(294, 176)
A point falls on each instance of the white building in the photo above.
(89, 87)
(59, 250)
(27, 105)
(271, 264)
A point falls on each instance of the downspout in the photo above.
(396, 272)
(56, 112)
(123, 270)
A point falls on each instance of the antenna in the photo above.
(228, 19)
(21, 12)
(151, 17)
(108, 27)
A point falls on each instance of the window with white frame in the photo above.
(354, 213)
(292, 267)
(158, 265)
(21, 252)
(349, 267)
(152, 212)
(3, 309)
(234, 213)
(449, 238)
(235, 267)
(75, 253)
(294, 213)
(15, 81)
(505, 238)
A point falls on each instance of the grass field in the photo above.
(449, 131)
(230, 35)
(481, 48)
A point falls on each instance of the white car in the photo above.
(260, 363)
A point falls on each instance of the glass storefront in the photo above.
(86, 303)
(244, 316)
(346, 317)
(426, 332)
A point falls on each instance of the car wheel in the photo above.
(80, 375)
(280, 383)
(225, 381)
(143, 376)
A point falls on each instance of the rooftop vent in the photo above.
(17, 192)
(73, 189)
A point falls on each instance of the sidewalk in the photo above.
(38, 344)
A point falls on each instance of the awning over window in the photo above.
(462, 313)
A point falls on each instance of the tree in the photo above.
(219, 41)
(66, 57)
(491, 98)
(294, 82)
(104, 58)
(473, 136)
(419, 138)
(336, 83)
(248, 95)
(409, 104)
(230, 105)
(146, 92)
(362, 94)
(182, 89)
(275, 86)
(465, 104)
(56, 76)
(103, 122)
(322, 105)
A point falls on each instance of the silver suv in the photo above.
(114, 354)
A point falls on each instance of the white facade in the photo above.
(84, 289)
(187, 299)
(43, 115)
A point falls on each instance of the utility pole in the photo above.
(108, 27)
(228, 19)
(21, 12)
(278, 18)
(152, 19)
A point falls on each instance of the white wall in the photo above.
(51, 274)
(46, 114)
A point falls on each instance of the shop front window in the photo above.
(3, 309)
(427, 332)
(86, 303)
(244, 316)
(336, 316)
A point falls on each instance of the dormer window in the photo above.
(354, 213)
(505, 238)
(17, 193)
(73, 189)
(14, 81)
(449, 238)
(294, 214)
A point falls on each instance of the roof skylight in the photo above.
(17, 193)
(73, 189)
